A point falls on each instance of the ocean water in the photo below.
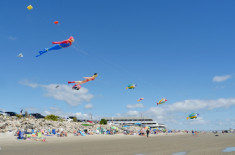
(229, 149)
(179, 153)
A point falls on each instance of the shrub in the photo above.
(19, 116)
(75, 119)
(52, 117)
(103, 121)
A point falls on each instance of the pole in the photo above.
(141, 119)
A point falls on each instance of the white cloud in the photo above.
(12, 38)
(63, 93)
(27, 83)
(46, 112)
(198, 121)
(88, 106)
(2, 110)
(176, 113)
(80, 115)
(189, 105)
(58, 112)
(221, 78)
(30, 109)
(139, 105)
(133, 113)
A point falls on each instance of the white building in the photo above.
(134, 120)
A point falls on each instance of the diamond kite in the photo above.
(30, 7)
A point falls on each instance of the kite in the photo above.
(192, 116)
(131, 86)
(30, 7)
(140, 99)
(60, 45)
(57, 86)
(20, 55)
(78, 83)
(56, 22)
(162, 101)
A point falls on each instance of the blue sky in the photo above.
(179, 50)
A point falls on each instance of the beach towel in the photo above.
(39, 135)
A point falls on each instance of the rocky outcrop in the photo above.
(13, 124)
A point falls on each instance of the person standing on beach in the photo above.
(147, 131)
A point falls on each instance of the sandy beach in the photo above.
(160, 144)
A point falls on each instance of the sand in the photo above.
(161, 144)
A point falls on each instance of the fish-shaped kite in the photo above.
(131, 86)
(140, 99)
(192, 116)
(162, 101)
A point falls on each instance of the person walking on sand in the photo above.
(147, 131)
(192, 132)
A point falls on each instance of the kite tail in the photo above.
(56, 47)
(42, 52)
(187, 118)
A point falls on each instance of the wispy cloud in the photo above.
(80, 115)
(88, 106)
(221, 78)
(2, 110)
(133, 113)
(63, 93)
(131, 106)
(170, 113)
(30, 84)
(175, 114)
(12, 38)
(198, 121)
(30, 109)
(58, 112)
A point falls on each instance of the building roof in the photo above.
(122, 118)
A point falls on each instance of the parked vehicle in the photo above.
(11, 113)
(69, 119)
(37, 115)
(3, 113)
